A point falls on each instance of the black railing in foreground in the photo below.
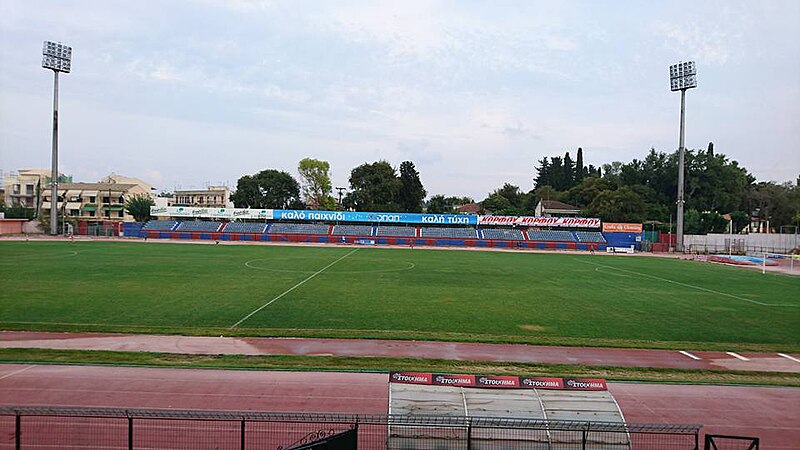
(116, 428)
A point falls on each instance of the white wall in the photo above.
(779, 243)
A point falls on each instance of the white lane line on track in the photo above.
(684, 353)
(737, 356)
(789, 357)
(291, 289)
(16, 372)
(700, 288)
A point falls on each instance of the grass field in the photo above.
(395, 293)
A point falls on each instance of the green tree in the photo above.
(621, 205)
(138, 205)
(580, 170)
(316, 184)
(437, 205)
(373, 187)
(269, 188)
(18, 212)
(411, 194)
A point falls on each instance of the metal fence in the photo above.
(111, 428)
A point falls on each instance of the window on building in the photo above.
(28, 189)
(121, 199)
(15, 189)
(92, 199)
(120, 213)
(74, 212)
(105, 199)
(91, 213)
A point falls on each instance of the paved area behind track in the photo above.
(403, 349)
(771, 413)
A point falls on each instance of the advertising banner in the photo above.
(585, 384)
(410, 377)
(609, 227)
(499, 381)
(530, 221)
(211, 213)
(379, 217)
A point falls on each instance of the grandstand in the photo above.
(449, 232)
(551, 236)
(390, 230)
(298, 228)
(160, 225)
(199, 225)
(504, 234)
(244, 227)
(590, 236)
(352, 230)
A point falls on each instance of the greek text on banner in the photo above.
(529, 221)
(499, 381)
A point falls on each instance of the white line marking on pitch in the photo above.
(784, 355)
(696, 358)
(737, 356)
(690, 285)
(16, 372)
(291, 289)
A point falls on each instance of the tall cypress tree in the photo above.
(580, 171)
(569, 173)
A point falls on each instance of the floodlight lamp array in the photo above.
(57, 56)
(683, 76)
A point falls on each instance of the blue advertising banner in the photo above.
(379, 217)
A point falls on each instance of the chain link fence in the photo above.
(111, 428)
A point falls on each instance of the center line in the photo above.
(291, 289)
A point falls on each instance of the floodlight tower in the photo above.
(682, 76)
(58, 58)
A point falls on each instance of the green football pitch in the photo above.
(269, 290)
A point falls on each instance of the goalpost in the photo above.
(787, 262)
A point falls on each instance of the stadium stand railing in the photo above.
(590, 236)
(244, 227)
(298, 228)
(352, 230)
(395, 231)
(550, 236)
(199, 225)
(504, 234)
(449, 232)
(160, 225)
(131, 428)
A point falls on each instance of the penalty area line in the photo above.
(699, 288)
(291, 289)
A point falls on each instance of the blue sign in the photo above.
(379, 217)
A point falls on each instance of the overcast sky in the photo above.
(185, 93)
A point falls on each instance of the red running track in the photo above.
(593, 356)
(770, 413)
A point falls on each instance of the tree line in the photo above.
(718, 190)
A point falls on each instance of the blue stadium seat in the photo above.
(590, 236)
(244, 227)
(298, 228)
(160, 225)
(551, 236)
(449, 232)
(391, 230)
(199, 225)
(505, 234)
(352, 230)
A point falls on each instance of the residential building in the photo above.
(23, 187)
(213, 197)
(97, 202)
